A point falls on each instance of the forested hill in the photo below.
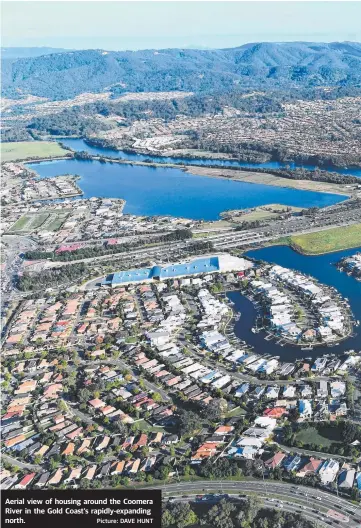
(285, 65)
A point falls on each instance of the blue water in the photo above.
(81, 145)
(322, 268)
(167, 191)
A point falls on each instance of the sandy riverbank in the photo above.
(232, 174)
(270, 179)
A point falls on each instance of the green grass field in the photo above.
(30, 150)
(20, 225)
(47, 221)
(56, 220)
(324, 436)
(328, 240)
(39, 220)
(265, 212)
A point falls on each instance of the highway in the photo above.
(312, 503)
(266, 502)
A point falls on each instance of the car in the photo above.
(319, 498)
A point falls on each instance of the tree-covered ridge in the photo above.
(257, 65)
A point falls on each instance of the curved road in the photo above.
(19, 463)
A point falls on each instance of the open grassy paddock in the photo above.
(266, 212)
(17, 151)
(323, 436)
(328, 240)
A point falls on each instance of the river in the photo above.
(322, 268)
(81, 145)
(170, 191)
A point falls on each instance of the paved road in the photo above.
(124, 365)
(195, 352)
(289, 449)
(23, 465)
(304, 499)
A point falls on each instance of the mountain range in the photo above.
(64, 74)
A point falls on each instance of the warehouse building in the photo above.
(214, 264)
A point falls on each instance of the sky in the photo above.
(136, 25)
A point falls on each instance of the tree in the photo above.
(37, 459)
(350, 432)
(121, 427)
(157, 397)
(220, 515)
(62, 406)
(188, 422)
(179, 514)
(215, 409)
(252, 508)
(84, 395)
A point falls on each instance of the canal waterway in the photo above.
(321, 267)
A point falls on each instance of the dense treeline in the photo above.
(69, 122)
(255, 152)
(348, 432)
(15, 134)
(314, 175)
(50, 278)
(247, 513)
(83, 121)
(97, 251)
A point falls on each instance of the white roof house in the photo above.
(250, 441)
(272, 392)
(265, 421)
(338, 388)
(289, 391)
(329, 471)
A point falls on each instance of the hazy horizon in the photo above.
(187, 47)
(161, 25)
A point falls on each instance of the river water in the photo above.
(321, 267)
(171, 191)
(168, 191)
(81, 145)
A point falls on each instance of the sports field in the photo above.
(328, 240)
(47, 221)
(23, 150)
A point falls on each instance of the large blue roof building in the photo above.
(198, 266)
